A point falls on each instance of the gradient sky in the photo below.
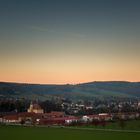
(69, 41)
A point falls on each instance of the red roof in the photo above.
(26, 114)
(55, 113)
(30, 114)
(15, 116)
(11, 117)
(60, 119)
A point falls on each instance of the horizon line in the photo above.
(34, 83)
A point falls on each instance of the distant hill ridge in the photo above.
(97, 89)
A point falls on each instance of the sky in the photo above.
(69, 41)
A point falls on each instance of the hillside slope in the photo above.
(84, 90)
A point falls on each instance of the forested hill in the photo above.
(78, 91)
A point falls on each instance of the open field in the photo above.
(38, 133)
(128, 125)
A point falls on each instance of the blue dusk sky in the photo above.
(69, 41)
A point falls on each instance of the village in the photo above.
(35, 115)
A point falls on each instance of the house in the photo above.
(86, 118)
(105, 116)
(11, 119)
(71, 119)
(30, 118)
(101, 116)
(61, 120)
(26, 117)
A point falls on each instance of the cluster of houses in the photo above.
(110, 105)
(36, 115)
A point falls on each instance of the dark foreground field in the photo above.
(38, 133)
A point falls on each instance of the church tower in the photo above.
(34, 107)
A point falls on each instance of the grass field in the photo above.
(129, 125)
(40, 133)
